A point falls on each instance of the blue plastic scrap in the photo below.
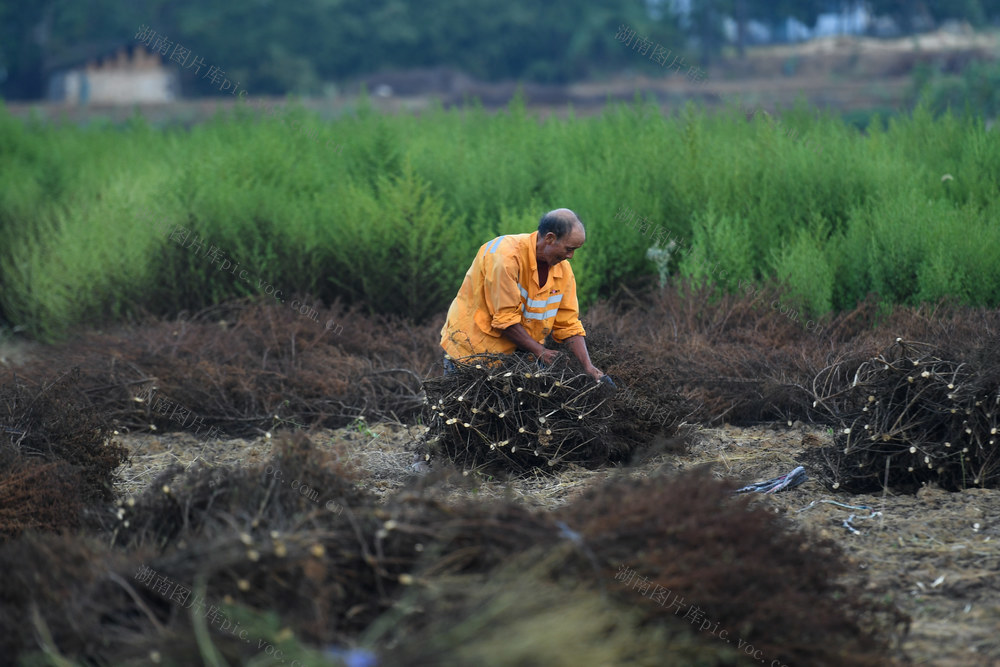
(354, 657)
(569, 533)
(776, 484)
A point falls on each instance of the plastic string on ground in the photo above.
(834, 502)
(791, 480)
(849, 521)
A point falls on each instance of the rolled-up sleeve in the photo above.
(502, 296)
(567, 323)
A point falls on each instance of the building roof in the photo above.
(99, 52)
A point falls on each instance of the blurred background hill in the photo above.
(849, 56)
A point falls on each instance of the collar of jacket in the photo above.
(555, 272)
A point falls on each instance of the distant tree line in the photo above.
(274, 47)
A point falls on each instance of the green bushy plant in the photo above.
(387, 210)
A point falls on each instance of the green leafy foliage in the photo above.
(397, 254)
(387, 211)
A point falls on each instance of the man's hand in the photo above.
(578, 346)
(520, 337)
(548, 356)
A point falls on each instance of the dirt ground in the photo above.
(934, 554)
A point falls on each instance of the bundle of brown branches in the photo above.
(742, 360)
(909, 416)
(506, 411)
(57, 455)
(649, 413)
(328, 564)
(38, 495)
(237, 365)
(238, 545)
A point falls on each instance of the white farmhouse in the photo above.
(128, 75)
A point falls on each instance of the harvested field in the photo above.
(317, 532)
(226, 439)
(897, 556)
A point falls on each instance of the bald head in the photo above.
(560, 222)
(560, 233)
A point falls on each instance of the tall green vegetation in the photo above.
(392, 220)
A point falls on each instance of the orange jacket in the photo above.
(500, 289)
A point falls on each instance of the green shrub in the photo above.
(387, 210)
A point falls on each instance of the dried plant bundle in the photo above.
(911, 415)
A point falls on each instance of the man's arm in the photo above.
(518, 335)
(578, 346)
(568, 330)
(503, 300)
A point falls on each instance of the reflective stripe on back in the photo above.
(492, 247)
